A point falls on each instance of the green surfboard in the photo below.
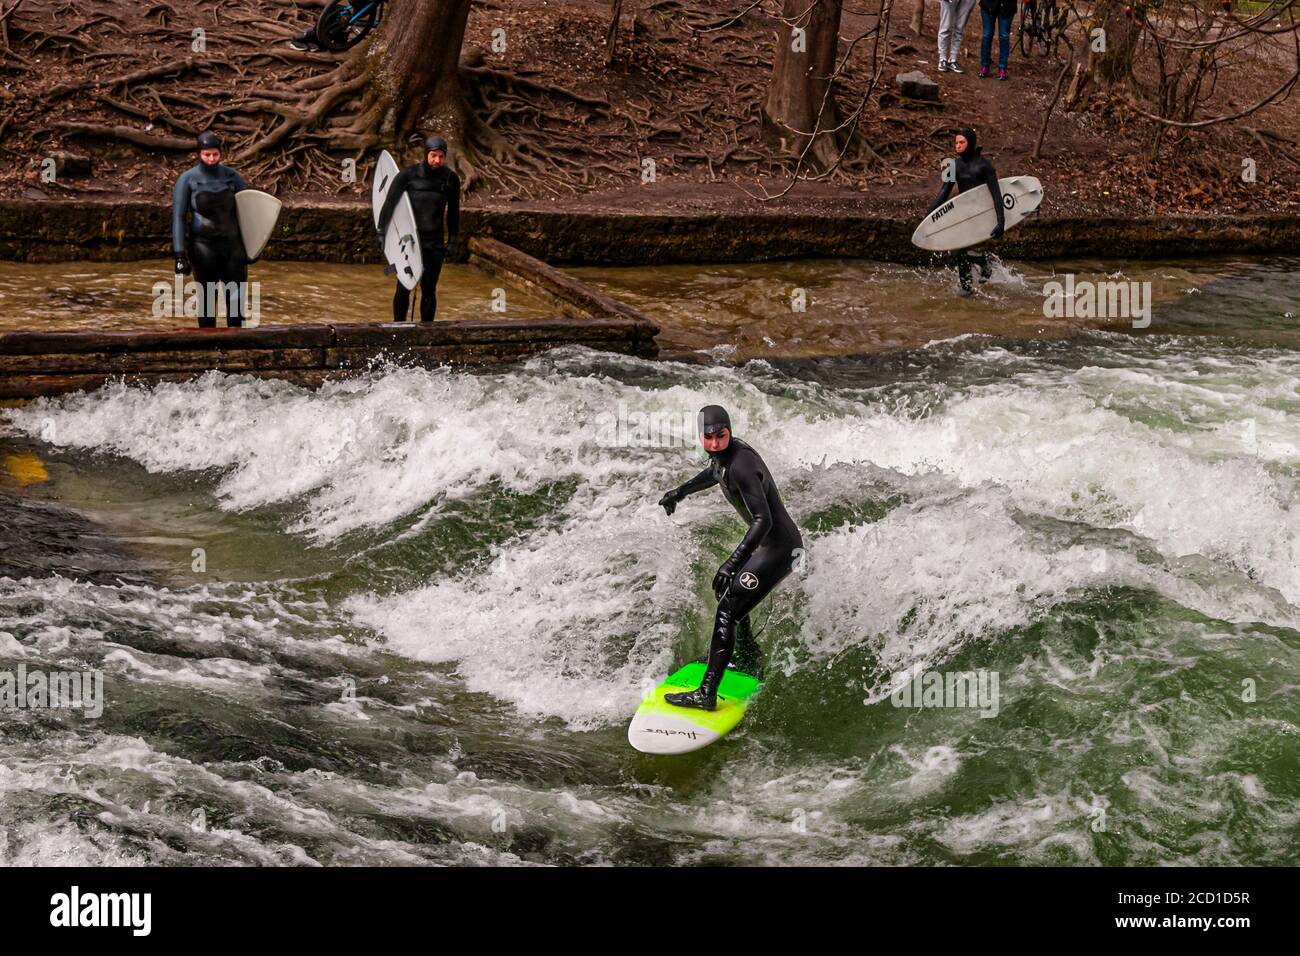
(660, 728)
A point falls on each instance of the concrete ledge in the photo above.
(572, 296)
(129, 229)
(34, 364)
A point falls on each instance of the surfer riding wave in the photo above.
(764, 556)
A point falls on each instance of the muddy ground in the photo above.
(683, 90)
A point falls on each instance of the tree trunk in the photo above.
(611, 35)
(799, 104)
(1114, 67)
(419, 66)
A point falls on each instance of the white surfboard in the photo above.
(401, 241)
(257, 213)
(966, 219)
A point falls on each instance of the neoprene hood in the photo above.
(713, 418)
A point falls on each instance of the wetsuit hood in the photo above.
(208, 141)
(712, 419)
(972, 147)
(432, 143)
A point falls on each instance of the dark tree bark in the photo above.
(415, 90)
(415, 68)
(1113, 68)
(611, 34)
(799, 105)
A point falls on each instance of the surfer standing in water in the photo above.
(204, 196)
(435, 194)
(970, 171)
(764, 556)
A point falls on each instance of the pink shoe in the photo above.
(984, 72)
(1002, 75)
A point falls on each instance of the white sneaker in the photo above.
(943, 66)
(954, 68)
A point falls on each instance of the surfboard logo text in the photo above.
(942, 211)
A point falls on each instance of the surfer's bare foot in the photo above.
(698, 698)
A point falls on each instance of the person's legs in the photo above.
(986, 270)
(235, 276)
(947, 8)
(205, 259)
(1004, 41)
(401, 302)
(986, 39)
(748, 657)
(429, 285)
(963, 260)
(753, 582)
(963, 12)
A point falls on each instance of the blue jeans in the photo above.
(1004, 40)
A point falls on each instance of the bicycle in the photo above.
(1046, 26)
(345, 23)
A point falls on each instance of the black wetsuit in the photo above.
(764, 556)
(205, 195)
(434, 192)
(972, 171)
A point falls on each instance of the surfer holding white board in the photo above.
(204, 200)
(971, 170)
(433, 192)
(219, 227)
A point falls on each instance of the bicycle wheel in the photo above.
(1025, 37)
(1047, 29)
(345, 23)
